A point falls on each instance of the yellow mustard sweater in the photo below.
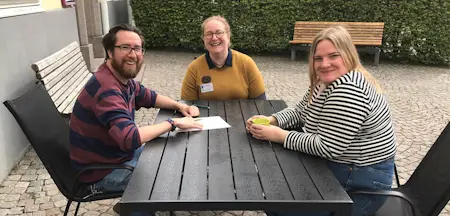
(241, 80)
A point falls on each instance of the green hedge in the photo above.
(415, 31)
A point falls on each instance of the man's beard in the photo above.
(127, 73)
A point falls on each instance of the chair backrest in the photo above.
(48, 134)
(363, 33)
(64, 74)
(429, 185)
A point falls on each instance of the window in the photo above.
(19, 7)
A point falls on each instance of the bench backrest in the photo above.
(64, 75)
(363, 33)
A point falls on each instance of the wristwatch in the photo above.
(172, 123)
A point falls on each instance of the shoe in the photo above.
(116, 208)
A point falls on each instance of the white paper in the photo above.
(209, 123)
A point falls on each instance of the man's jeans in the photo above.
(372, 177)
(118, 179)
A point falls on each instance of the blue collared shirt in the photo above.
(228, 61)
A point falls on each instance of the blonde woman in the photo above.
(346, 120)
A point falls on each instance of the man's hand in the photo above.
(187, 123)
(270, 133)
(188, 111)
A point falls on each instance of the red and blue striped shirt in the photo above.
(102, 127)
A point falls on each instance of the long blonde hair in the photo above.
(342, 40)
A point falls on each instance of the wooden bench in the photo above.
(367, 36)
(64, 75)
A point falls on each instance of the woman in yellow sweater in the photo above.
(221, 73)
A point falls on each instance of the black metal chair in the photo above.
(49, 136)
(428, 189)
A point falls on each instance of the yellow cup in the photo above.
(261, 121)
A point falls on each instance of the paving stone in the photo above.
(14, 177)
(52, 192)
(4, 212)
(105, 202)
(236, 212)
(182, 213)
(53, 211)
(19, 190)
(204, 213)
(22, 184)
(29, 177)
(9, 205)
(16, 211)
(9, 183)
(41, 171)
(103, 208)
(91, 213)
(49, 181)
(36, 183)
(250, 213)
(42, 200)
(26, 202)
(34, 189)
(91, 206)
(12, 197)
(61, 203)
(47, 205)
(50, 187)
(5, 189)
(31, 208)
(58, 197)
(39, 213)
(43, 177)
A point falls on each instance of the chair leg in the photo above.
(396, 175)
(76, 210)
(67, 207)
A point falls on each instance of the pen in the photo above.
(201, 106)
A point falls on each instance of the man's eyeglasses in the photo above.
(209, 35)
(127, 49)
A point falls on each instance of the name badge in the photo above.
(207, 87)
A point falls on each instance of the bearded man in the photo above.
(102, 127)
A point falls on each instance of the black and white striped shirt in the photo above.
(348, 122)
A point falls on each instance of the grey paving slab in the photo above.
(418, 96)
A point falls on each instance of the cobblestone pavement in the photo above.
(418, 96)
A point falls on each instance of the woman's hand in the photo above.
(249, 123)
(187, 123)
(188, 111)
(269, 133)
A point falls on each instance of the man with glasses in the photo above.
(221, 73)
(102, 127)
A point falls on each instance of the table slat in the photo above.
(272, 179)
(297, 177)
(246, 179)
(194, 186)
(221, 186)
(143, 177)
(324, 180)
(167, 184)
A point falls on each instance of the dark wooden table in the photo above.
(227, 169)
